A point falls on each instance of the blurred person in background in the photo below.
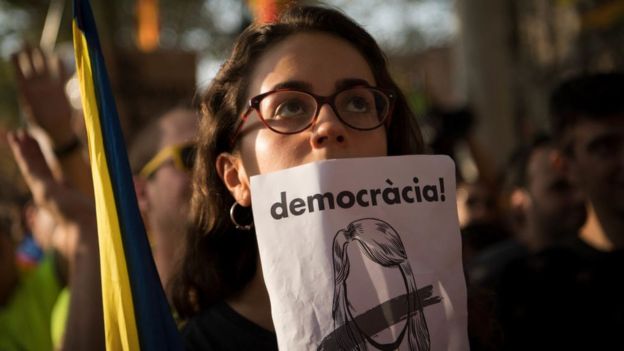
(544, 209)
(48, 115)
(587, 115)
(76, 247)
(480, 220)
(27, 297)
(479, 215)
(478, 209)
(161, 157)
(571, 296)
(588, 120)
(62, 214)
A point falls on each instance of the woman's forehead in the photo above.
(318, 60)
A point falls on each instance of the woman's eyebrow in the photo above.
(304, 86)
(351, 82)
(293, 84)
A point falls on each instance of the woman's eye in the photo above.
(358, 104)
(289, 109)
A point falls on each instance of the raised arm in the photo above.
(40, 81)
(75, 213)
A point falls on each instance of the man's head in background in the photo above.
(587, 115)
(161, 157)
(545, 206)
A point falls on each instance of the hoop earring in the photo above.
(236, 222)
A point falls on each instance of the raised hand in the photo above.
(40, 81)
(75, 215)
(72, 210)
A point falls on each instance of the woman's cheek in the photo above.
(270, 153)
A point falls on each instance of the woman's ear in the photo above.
(232, 172)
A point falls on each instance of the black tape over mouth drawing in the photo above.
(381, 244)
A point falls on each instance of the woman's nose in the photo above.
(328, 128)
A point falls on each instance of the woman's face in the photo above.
(320, 64)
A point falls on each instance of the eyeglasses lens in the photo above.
(292, 111)
(288, 111)
(362, 108)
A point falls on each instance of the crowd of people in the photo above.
(553, 258)
(542, 246)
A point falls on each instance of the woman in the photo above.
(311, 86)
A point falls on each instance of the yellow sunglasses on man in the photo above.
(182, 156)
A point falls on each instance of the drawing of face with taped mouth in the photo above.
(382, 245)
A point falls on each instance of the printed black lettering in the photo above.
(350, 199)
(319, 200)
(297, 206)
(442, 196)
(374, 193)
(391, 196)
(360, 198)
(430, 193)
(280, 206)
(363, 198)
(405, 194)
(417, 190)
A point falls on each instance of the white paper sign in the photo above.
(363, 254)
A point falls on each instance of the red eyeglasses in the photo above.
(289, 111)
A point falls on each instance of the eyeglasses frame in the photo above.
(171, 152)
(254, 105)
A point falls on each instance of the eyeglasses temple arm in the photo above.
(240, 126)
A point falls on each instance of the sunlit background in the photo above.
(477, 72)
